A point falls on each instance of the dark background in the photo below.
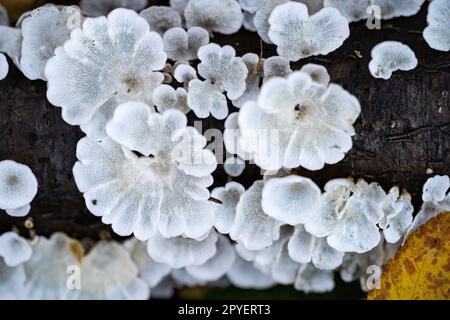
(402, 131)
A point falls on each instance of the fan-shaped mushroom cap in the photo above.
(161, 18)
(14, 249)
(221, 16)
(183, 45)
(390, 56)
(437, 33)
(298, 35)
(103, 7)
(18, 186)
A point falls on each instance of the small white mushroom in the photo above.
(292, 199)
(11, 43)
(298, 122)
(182, 45)
(398, 215)
(14, 249)
(234, 166)
(244, 275)
(165, 97)
(437, 33)
(4, 66)
(217, 266)
(222, 71)
(298, 35)
(248, 22)
(252, 226)
(317, 73)
(179, 6)
(390, 56)
(179, 252)
(303, 247)
(253, 81)
(39, 43)
(184, 73)
(108, 273)
(436, 199)
(231, 137)
(352, 10)
(276, 66)
(161, 18)
(225, 212)
(183, 279)
(435, 189)
(103, 7)
(221, 16)
(312, 280)
(149, 270)
(393, 8)
(18, 187)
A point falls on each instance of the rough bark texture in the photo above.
(403, 129)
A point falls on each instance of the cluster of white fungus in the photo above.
(128, 75)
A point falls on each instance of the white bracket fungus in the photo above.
(165, 97)
(103, 7)
(243, 274)
(317, 73)
(4, 66)
(161, 18)
(437, 33)
(225, 212)
(222, 71)
(217, 266)
(184, 73)
(310, 279)
(39, 44)
(356, 10)
(11, 43)
(352, 10)
(351, 213)
(298, 35)
(252, 226)
(12, 280)
(253, 81)
(276, 66)
(106, 272)
(221, 16)
(298, 122)
(109, 61)
(398, 215)
(303, 248)
(436, 199)
(179, 252)
(164, 188)
(149, 270)
(14, 249)
(390, 56)
(292, 199)
(182, 45)
(18, 187)
(232, 137)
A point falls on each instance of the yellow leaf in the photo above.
(421, 268)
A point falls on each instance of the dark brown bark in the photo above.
(403, 129)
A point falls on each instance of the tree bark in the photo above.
(403, 129)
